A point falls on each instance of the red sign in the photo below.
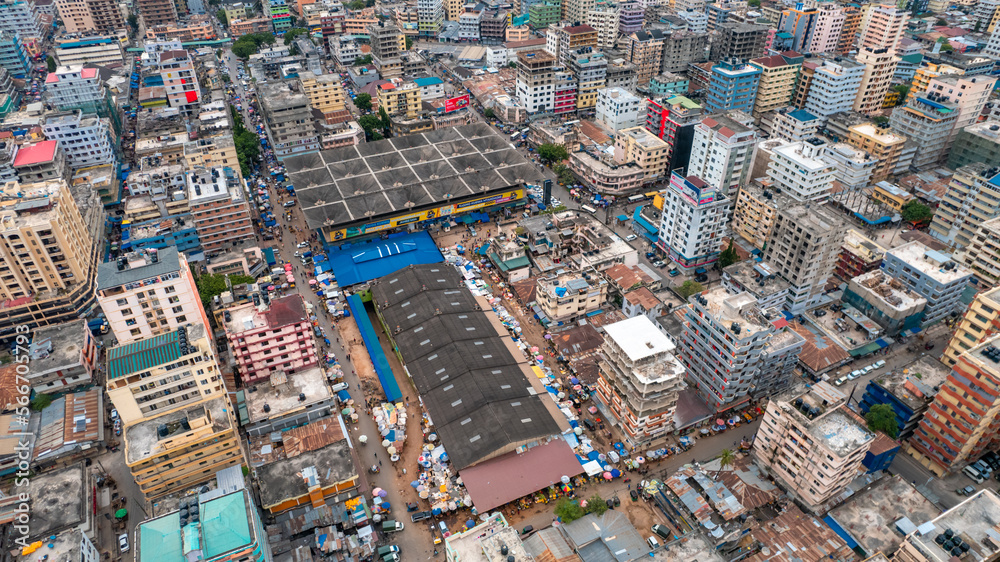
(454, 104)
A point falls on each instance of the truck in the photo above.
(391, 557)
(387, 549)
(98, 325)
(391, 526)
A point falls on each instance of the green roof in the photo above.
(224, 525)
(505, 266)
(160, 539)
(143, 354)
(686, 103)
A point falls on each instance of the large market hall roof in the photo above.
(474, 386)
(392, 176)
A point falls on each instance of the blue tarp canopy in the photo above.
(623, 218)
(357, 263)
(832, 523)
(374, 347)
(700, 270)
(343, 395)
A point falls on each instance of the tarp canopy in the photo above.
(359, 263)
(504, 479)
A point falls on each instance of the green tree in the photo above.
(246, 142)
(941, 22)
(223, 19)
(512, 64)
(50, 63)
(689, 288)
(880, 120)
(356, 5)
(566, 176)
(728, 256)
(363, 102)
(225, 78)
(916, 211)
(250, 43)
(384, 118)
(301, 22)
(133, 22)
(489, 114)
(726, 458)
(372, 126)
(881, 417)
(568, 510)
(294, 32)
(361, 61)
(596, 505)
(753, 3)
(40, 402)
(552, 152)
(904, 90)
(409, 42)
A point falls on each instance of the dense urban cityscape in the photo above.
(591, 280)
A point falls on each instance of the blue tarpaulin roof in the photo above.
(374, 347)
(358, 263)
(832, 523)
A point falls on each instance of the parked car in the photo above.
(701, 278)
(879, 364)
(420, 516)
(854, 375)
(123, 542)
(630, 237)
(966, 491)
(840, 381)
(659, 264)
(929, 345)
(673, 273)
(819, 313)
(302, 245)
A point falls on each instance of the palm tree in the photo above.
(726, 458)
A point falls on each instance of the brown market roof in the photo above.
(794, 536)
(644, 298)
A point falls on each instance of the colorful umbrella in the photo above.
(382, 493)
(640, 460)
(375, 492)
(592, 409)
(121, 513)
(607, 476)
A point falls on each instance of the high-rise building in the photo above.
(972, 198)
(48, 253)
(777, 81)
(535, 80)
(326, 94)
(289, 121)
(960, 424)
(982, 255)
(681, 48)
(879, 67)
(604, 18)
(13, 56)
(281, 17)
(791, 124)
(833, 86)
(812, 443)
(827, 29)
(928, 122)
(693, 222)
(399, 98)
(673, 119)
(734, 350)
(278, 340)
(968, 93)
(883, 144)
(20, 17)
(387, 45)
(881, 27)
(961, 521)
(84, 139)
(742, 41)
(733, 86)
(591, 70)
(645, 51)
(577, 10)
(976, 143)
(180, 81)
(91, 16)
(630, 18)
(796, 26)
(219, 208)
(618, 109)
(934, 275)
(157, 12)
(721, 150)
(803, 247)
(166, 299)
(645, 149)
(852, 167)
(72, 88)
(640, 380)
(800, 171)
(430, 14)
(980, 322)
(992, 47)
(849, 31)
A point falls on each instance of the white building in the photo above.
(993, 46)
(794, 125)
(468, 25)
(618, 109)
(834, 87)
(72, 87)
(85, 140)
(344, 49)
(852, 166)
(536, 80)
(431, 87)
(19, 16)
(148, 293)
(430, 14)
(496, 56)
(798, 169)
(721, 150)
(697, 21)
(693, 223)
(605, 19)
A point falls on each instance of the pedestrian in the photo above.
(380, 462)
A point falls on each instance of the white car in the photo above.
(630, 237)
(123, 542)
(879, 364)
(854, 375)
(302, 245)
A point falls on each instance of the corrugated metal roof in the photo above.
(144, 354)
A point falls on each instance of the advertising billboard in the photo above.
(454, 104)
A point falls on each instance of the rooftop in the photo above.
(291, 478)
(644, 138)
(873, 517)
(281, 312)
(757, 278)
(726, 126)
(142, 439)
(840, 433)
(644, 298)
(58, 347)
(286, 393)
(802, 115)
(883, 135)
(794, 536)
(740, 309)
(639, 338)
(859, 243)
(975, 521)
(225, 525)
(34, 154)
(287, 444)
(72, 422)
(931, 263)
(63, 547)
(877, 286)
(59, 500)
(149, 353)
(138, 266)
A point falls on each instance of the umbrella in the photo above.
(391, 450)
(376, 492)
(421, 488)
(578, 430)
(415, 483)
(347, 411)
(363, 439)
(592, 409)
(534, 349)
(719, 422)
(382, 493)
(386, 443)
(564, 479)
(616, 473)
(607, 476)
(121, 513)
(574, 380)
(423, 495)
(548, 336)
(539, 358)
(640, 460)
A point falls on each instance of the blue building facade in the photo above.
(733, 86)
(13, 56)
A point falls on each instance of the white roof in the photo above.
(639, 338)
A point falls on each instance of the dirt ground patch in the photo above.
(358, 356)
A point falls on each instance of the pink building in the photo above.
(827, 29)
(278, 339)
(882, 26)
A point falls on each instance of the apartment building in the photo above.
(219, 209)
(618, 109)
(91, 16)
(604, 19)
(63, 356)
(645, 149)
(325, 93)
(85, 140)
(726, 343)
(400, 98)
(827, 28)
(180, 81)
(252, 25)
(281, 16)
(566, 41)
(430, 14)
(590, 69)
(48, 252)
(982, 255)
(564, 92)
(157, 12)
(40, 162)
(928, 71)
(795, 29)
(721, 150)
(13, 56)
(934, 275)
(849, 31)
(833, 86)
(811, 443)
(965, 522)
(493, 26)
(790, 124)
(536, 80)
(148, 293)
(881, 26)
(777, 82)
(880, 65)
(858, 255)
(644, 49)
(469, 23)
(968, 93)
(681, 48)
(980, 322)
(959, 425)
(754, 213)
(972, 198)
(387, 45)
(800, 171)
(733, 86)
(185, 372)
(742, 41)
(803, 248)
(886, 301)
(674, 119)
(758, 279)
(604, 175)
(928, 122)
(75, 87)
(288, 117)
(668, 84)
(569, 296)
(640, 379)
(20, 17)
(975, 143)
(881, 143)
(693, 222)
(276, 340)
(852, 167)
(630, 18)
